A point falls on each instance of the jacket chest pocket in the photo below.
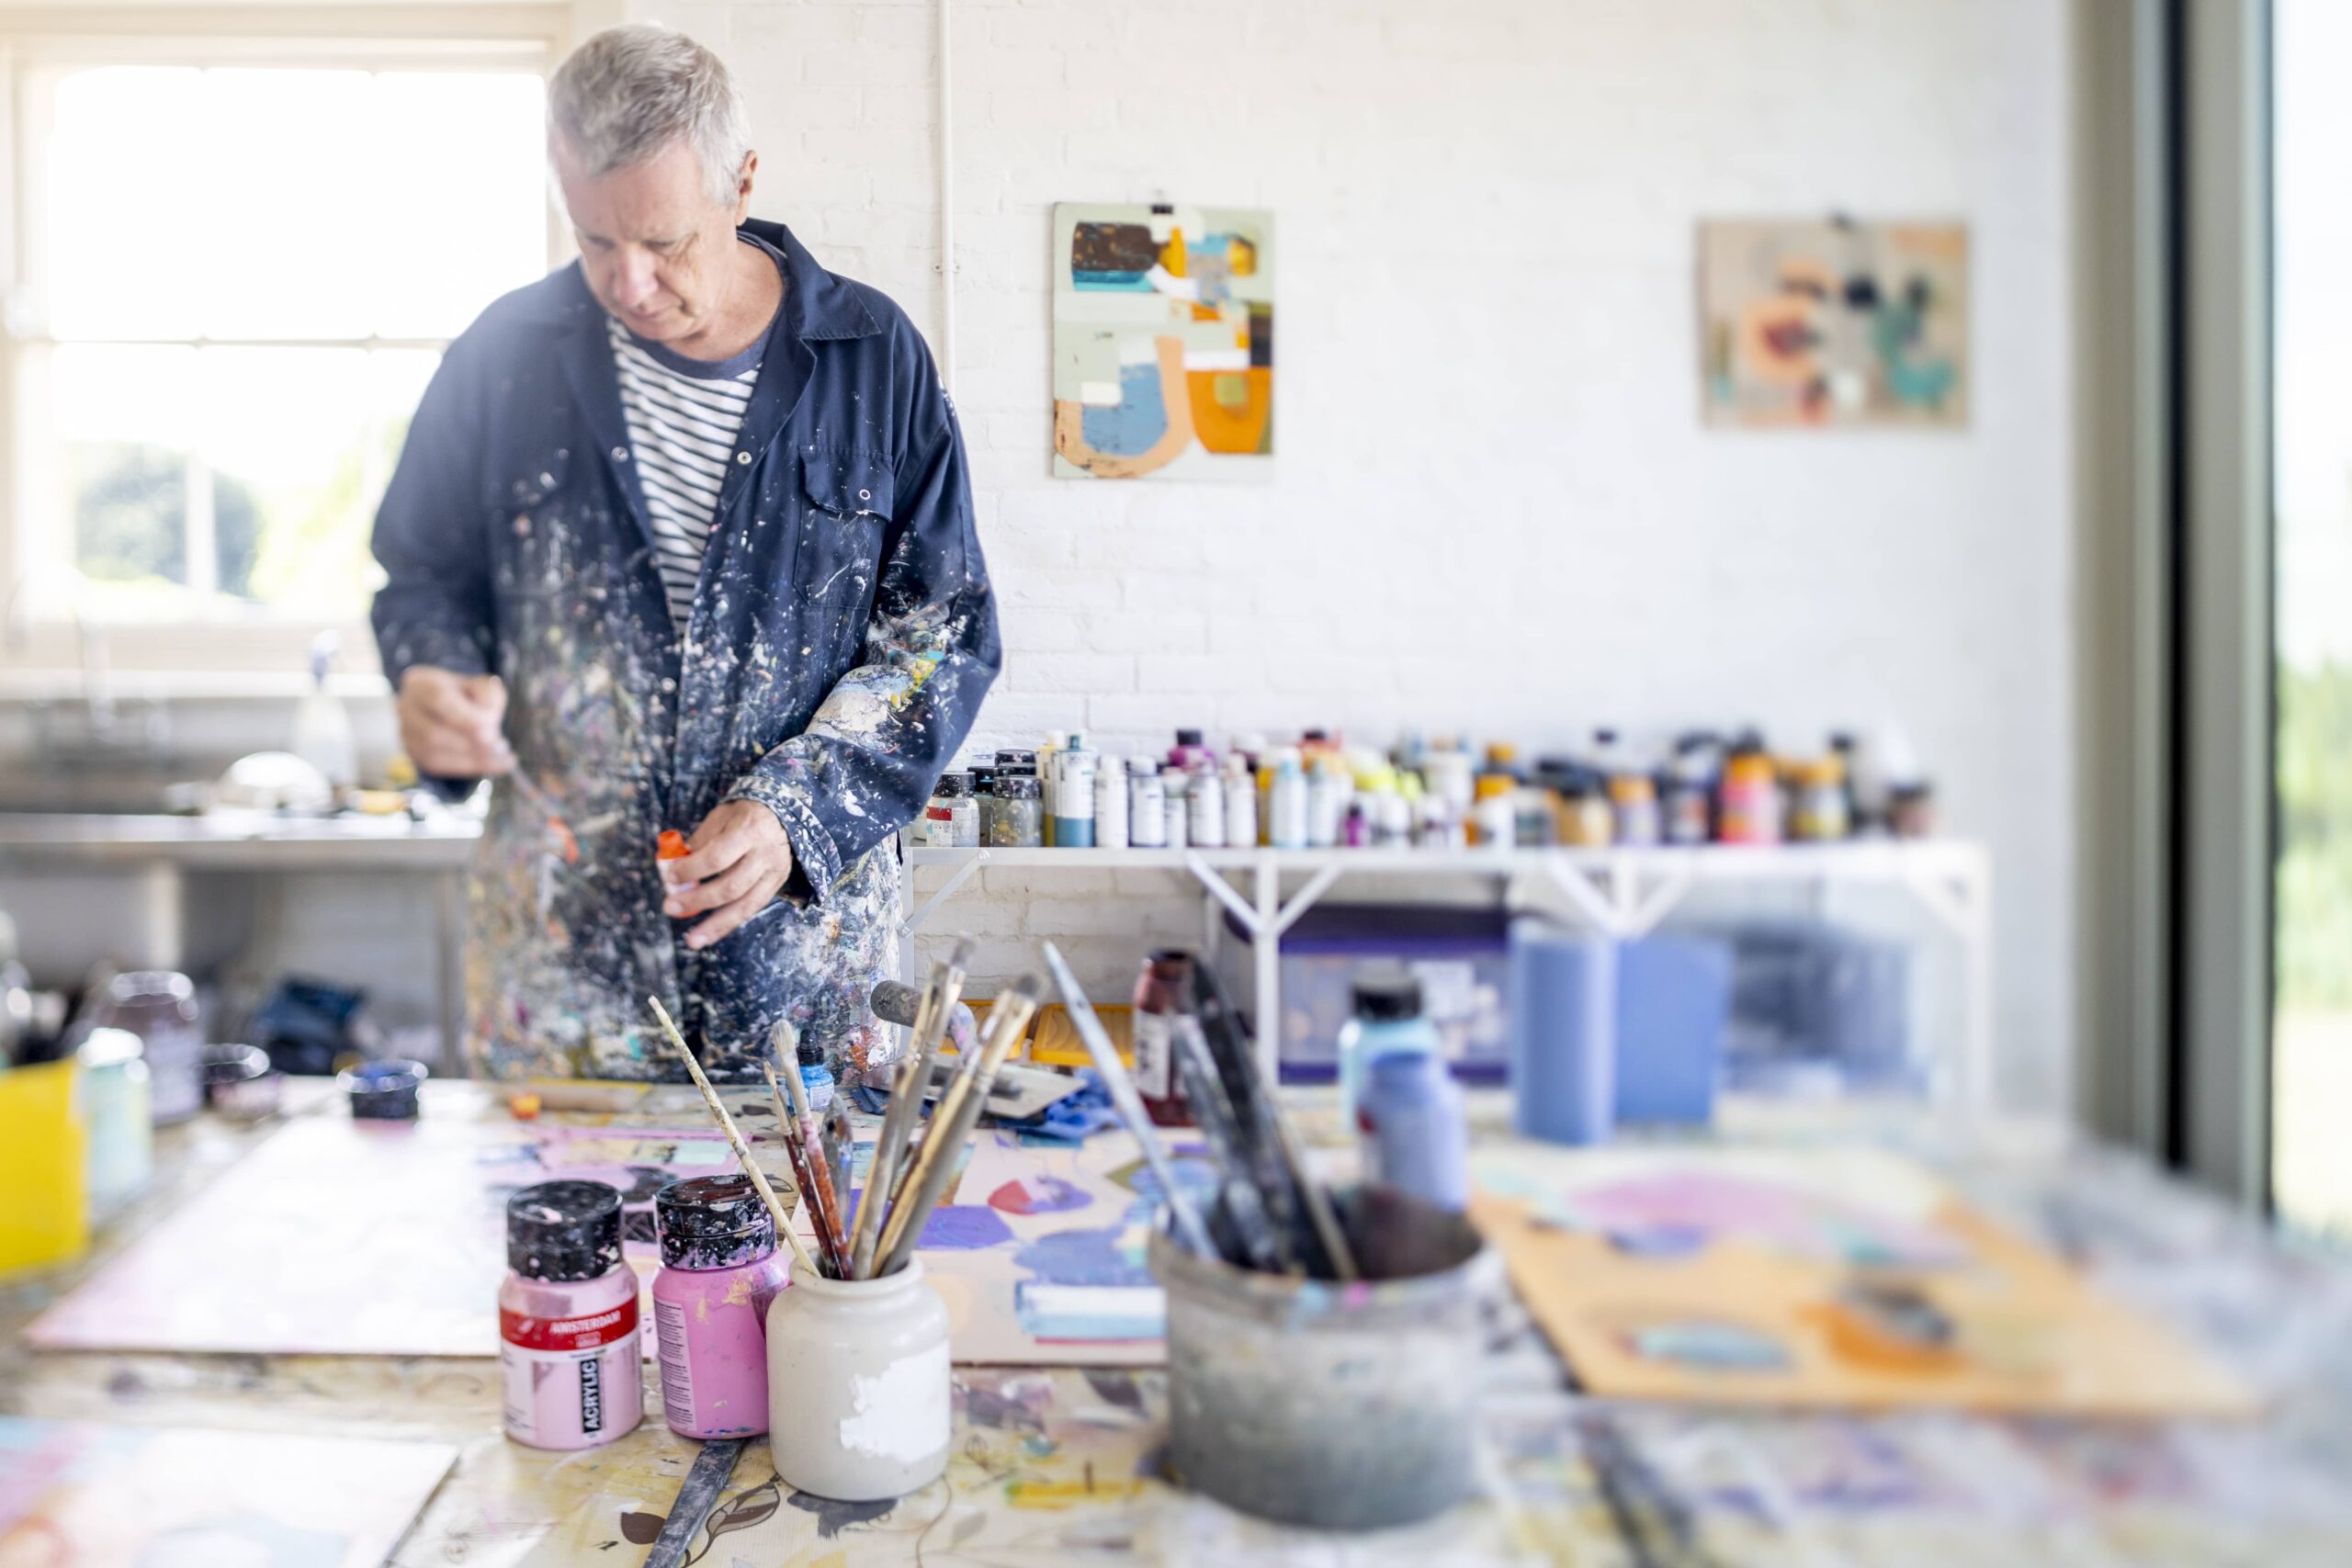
(842, 528)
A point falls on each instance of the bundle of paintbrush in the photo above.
(1267, 1213)
(804, 1145)
(907, 1178)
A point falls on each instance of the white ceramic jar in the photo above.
(858, 1386)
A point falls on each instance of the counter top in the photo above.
(237, 841)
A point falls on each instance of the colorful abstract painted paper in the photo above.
(1163, 342)
(1834, 323)
(1828, 1277)
(81, 1496)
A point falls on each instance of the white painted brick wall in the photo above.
(1497, 507)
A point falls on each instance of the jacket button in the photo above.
(865, 495)
(620, 454)
(742, 457)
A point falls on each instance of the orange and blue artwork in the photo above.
(1163, 342)
(1833, 323)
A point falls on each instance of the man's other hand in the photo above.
(742, 860)
(451, 725)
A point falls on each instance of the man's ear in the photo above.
(743, 188)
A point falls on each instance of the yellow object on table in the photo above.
(44, 1152)
(1053, 1043)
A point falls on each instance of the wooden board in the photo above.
(1821, 1278)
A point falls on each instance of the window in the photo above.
(234, 280)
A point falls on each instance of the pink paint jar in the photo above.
(567, 1319)
(719, 1272)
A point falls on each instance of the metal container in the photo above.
(1333, 1406)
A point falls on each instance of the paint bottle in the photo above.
(719, 1272)
(1204, 801)
(1286, 809)
(1817, 814)
(860, 1402)
(1111, 784)
(567, 1319)
(1747, 808)
(1188, 751)
(1537, 812)
(1049, 757)
(951, 795)
(1688, 806)
(1634, 807)
(1146, 805)
(1415, 1136)
(1494, 817)
(1241, 805)
(120, 1155)
(1163, 992)
(1452, 781)
(1585, 820)
(159, 1007)
(1175, 785)
(1355, 828)
(816, 1077)
(1327, 803)
(1013, 818)
(1387, 1017)
(1074, 797)
(1392, 819)
(1911, 809)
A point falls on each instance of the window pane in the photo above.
(296, 203)
(2312, 1062)
(288, 449)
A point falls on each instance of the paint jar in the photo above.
(1633, 808)
(951, 820)
(120, 1155)
(1749, 804)
(1110, 804)
(1327, 803)
(1190, 751)
(385, 1090)
(1449, 780)
(1163, 993)
(1175, 826)
(240, 1084)
(1494, 817)
(1387, 1008)
(1688, 805)
(858, 1385)
(568, 1352)
(1819, 812)
(1204, 810)
(1332, 1407)
(1585, 820)
(1013, 818)
(1562, 1004)
(160, 1007)
(1049, 778)
(1539, 817)
(1241, 805)
(719, 1272)
(816, 1077)
(1911, 809)
(1146, 805)
(1416, 1137)
(1074, 797)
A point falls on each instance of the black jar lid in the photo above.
(564, 1230)
(951, 786)
(1386, 997)
(712, 1221)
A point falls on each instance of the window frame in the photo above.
(42, 643)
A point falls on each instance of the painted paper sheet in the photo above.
(342, 1237)
(1163, 342)
(80, 1494)
(1816, 1276)
(1811, 322)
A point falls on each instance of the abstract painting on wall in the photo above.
(1833, 323)
(1163, 342)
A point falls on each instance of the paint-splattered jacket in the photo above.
(842, 636)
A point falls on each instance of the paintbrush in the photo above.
(1262, 1247)
(812, 1153)
(796, 1151)
(1253, 1100)
(558, 832)
(735, 1139)
(1129, 1104)
(952, 1124)
(939, 1000)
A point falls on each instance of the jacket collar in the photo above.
(821, 305)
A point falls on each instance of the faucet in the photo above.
(90, 637)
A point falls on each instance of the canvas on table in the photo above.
(1163, 342)
(1833, 323)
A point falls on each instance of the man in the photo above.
(682, 533)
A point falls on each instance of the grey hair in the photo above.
(630, 92)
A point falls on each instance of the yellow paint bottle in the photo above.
(44, 1143)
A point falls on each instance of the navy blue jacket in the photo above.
(841, 639)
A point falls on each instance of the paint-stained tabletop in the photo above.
(1061, 1465)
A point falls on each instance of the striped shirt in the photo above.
(683, 415)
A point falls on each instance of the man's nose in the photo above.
(633, 282)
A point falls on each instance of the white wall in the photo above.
(1497, 509)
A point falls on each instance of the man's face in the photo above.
(653, 244)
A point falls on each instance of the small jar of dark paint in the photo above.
(385, 1090)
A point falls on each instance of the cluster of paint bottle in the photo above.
(1316, 794)
(570, 1340)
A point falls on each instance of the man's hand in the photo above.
(450, 723)
(742, 859)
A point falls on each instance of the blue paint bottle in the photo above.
(1387, 1007)
(1415, 1138)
